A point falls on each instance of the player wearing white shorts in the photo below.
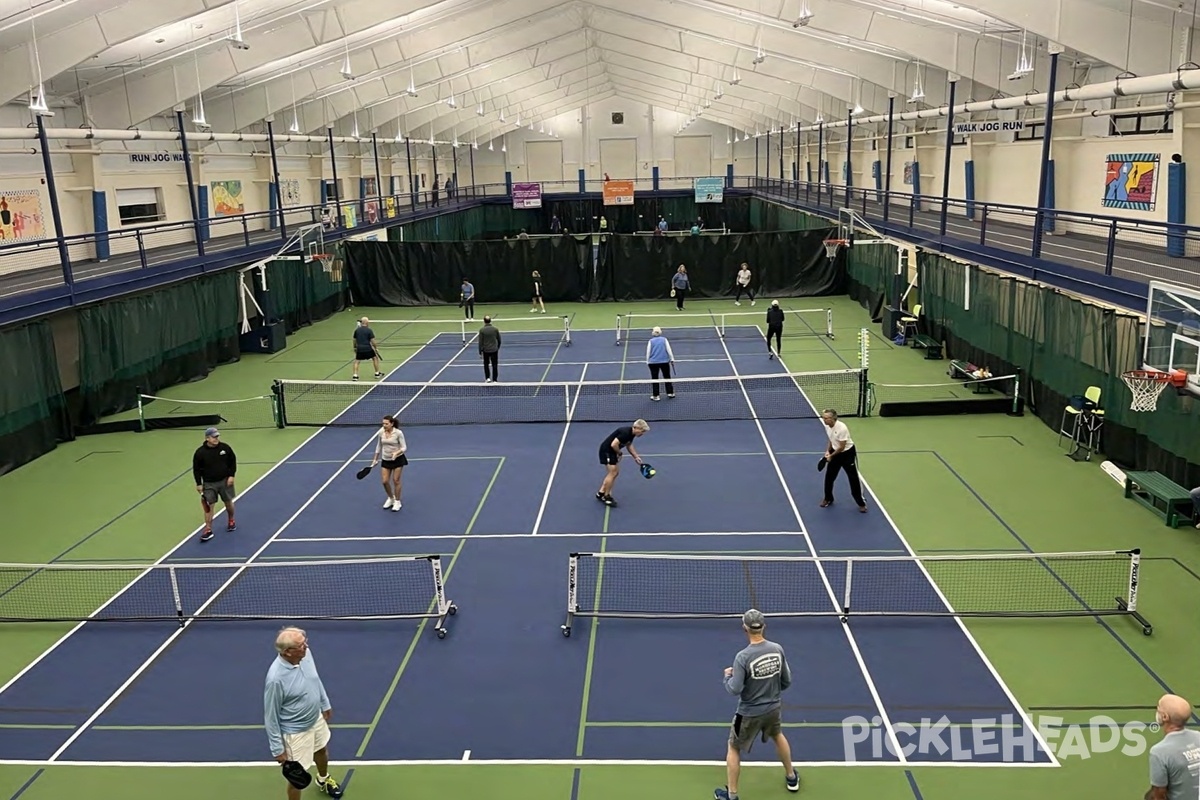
(296, 711)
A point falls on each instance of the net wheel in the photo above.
(566, 630)
(453, 609)
(1147, 630)
(441, 632)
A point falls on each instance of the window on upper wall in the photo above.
(1138, 122)
(139, 206)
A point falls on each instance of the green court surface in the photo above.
(966, 483)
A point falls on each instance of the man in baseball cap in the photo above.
(758, 677)
(214, 466)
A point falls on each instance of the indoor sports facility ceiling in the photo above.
(476, 67)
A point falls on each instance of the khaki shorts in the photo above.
(743, 730)
(301, 746)
(214, 490)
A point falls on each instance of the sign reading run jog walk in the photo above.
(989, 126)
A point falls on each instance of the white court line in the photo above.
(466, 756)
(221, 589)
(537, 523)
(577, 762)
(961, 625)
(150, 566)
(597, 534)
(858, 656)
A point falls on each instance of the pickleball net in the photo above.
(531, 329)
(686, 586)
(795, 395)
(731, 325)
(392, 588)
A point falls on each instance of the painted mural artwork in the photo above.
(21, 215)
(227, 198)
(1131, 181)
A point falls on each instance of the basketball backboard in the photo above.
(1173, 331)
(312, 241)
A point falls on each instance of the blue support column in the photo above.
(887, 173)
(767, 154)
(729, 176)
(755, 156)
(1049, 204)
(916, 185)
(200, 228)
(276, 195)
(337, 187)
(1044, 176)
(362, 198)
(64, 253)
(969, 179)
(848, 170)
(877, 175)
(1176, 208)
(654, 177)
(100, 225)
(202, 205)
(822, 175)
(508, 183)
(412, 179)
(378, 176)
(272, 205)
(946, 163)
(582, 181)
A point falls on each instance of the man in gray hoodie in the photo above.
(489, 348)
(758, 677)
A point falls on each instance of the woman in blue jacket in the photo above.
(680, 286)
(659, 358)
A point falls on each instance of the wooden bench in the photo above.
(1161, 495)
(933, 348)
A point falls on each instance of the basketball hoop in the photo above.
(1148, 384)
(832, 245)
(326, 260)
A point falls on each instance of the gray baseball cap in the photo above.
(754, 620)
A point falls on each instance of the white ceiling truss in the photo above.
(479, 66)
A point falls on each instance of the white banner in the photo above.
(993, 126)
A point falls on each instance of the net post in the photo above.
(439, 588)
(566, 320)
(463, 323)
(1135, 560)
(176, 596)
(846, 597)
(829, 323)
(572, 592)
(1016, 411)
(141, 413)
(280, 405)
(864, 359)
(618, 328)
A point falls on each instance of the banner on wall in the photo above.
(908, 173)
(227, 198)
(989, 126)
(527, 195)
(618, 193)
(289, 192)
(709, 190)
(1131, 181)
(21, 215)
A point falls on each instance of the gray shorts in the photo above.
(217, 489)
(743, 730)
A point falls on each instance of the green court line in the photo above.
(259, 727)
(20, 726)
(550, 363)
(591, 655)
(412, 645)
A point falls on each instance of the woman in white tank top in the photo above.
(390, 449)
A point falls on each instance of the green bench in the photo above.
(1161, 495)
(933, 348)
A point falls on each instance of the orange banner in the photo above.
(618, 193)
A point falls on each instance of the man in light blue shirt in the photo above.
(659, 358)
(1175, 761)
(296, 710)
(758, 677)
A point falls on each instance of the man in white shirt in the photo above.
(840, 455)
(743, 285)
(1175, 761)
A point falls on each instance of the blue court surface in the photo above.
(505, 505)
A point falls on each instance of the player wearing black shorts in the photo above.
(610, 456)
(365, 348)
(537, 294)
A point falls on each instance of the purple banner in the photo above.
(527, 195)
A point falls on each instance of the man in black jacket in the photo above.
(214, 466)
(774, 328)
(489, 348)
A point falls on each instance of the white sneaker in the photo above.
(533, 311)
(737, 302)
(752, 302)
(387, 503)
(543, 311)
(397, 505)
(487, 380)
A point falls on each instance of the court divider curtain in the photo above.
(1063, 344)
(869, 271)
(304, 293)
(431, 273)
(153, 340)
(33, 410)
(783, 264)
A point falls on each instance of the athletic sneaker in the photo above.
(354, 378)
(600, 496)
(387, 503)
(330, 787)
(723, 794)
(609, 501)
(208, 534)
(737, 302)
(231, 526)
(396, 505)
(378, 374)
(793, 782)
(655, 397)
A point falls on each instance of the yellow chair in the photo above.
(1086, 421)
(908, 324)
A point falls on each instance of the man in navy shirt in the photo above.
(467, 300)
(610, 456)
(365, 348)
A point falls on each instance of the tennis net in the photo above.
(773, 396)
(155, 413)
(732, 325)
(533, 329)
(969, 395)
(408, 587)
(679, 586)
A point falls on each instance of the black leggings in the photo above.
(846, 460)
(491, 360)
(665, 371)
(749, 290)
(778, 334)
(680, 294)
(469, 309)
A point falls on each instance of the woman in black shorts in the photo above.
(390, 449)
(610, 456)
(537, 293)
